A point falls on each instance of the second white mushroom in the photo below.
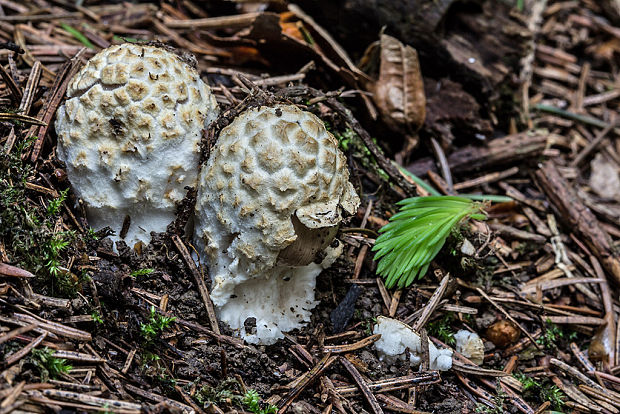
(270, 199)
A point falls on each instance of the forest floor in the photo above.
(516, 101)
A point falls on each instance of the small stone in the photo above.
(467, 248)
(503, 333)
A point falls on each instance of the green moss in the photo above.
(49, 366)
(252, 401)
(229, 392)
(442, 329)
(141, 272)
(541, 390)
(351, 143)
(553, 334)
(27, 229)
(155, 325)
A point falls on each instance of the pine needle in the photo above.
(416, 234)
(78, 35)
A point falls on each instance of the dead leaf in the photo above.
(604, 177)
(399, 91)
(605, 50)
(290, 26)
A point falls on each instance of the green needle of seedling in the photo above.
(416, 234)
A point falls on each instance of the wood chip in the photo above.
(200, 283)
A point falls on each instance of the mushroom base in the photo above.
(280, 303)
(142, 221)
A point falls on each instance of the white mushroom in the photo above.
(130, 135)
(470, 345)
(270, 199)
(397, 336)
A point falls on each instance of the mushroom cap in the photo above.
(272, 168)
(130, 134)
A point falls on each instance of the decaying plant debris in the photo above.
(521, 101)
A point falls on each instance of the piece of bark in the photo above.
(451, 110)
(502, 152)
(579, 217)
(479, 42)
(611, 9)
(357, 22)
(277, 46)
(486, 46)
(343, 313)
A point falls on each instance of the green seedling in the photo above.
(542, 390)
(91, 234)
(553, 334)
(54, 206)
(141, 272)
(416, 234)
(252, 401)
(554, 395)
(96, 317)
(49, 366)
(156, 325)
(54, 247)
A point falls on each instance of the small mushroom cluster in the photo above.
(270, 197)
(398, 337)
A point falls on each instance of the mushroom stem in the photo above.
(309, 245)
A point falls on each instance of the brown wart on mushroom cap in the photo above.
(270, 199)
(130, 135)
